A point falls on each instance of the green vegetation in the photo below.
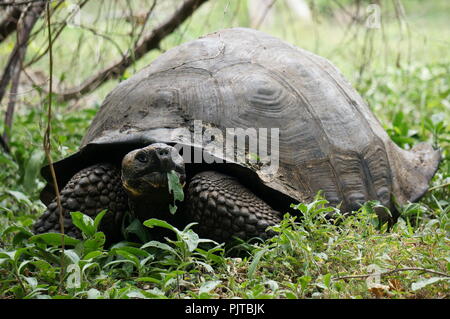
(312, 259)
(405, 80)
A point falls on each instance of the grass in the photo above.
(315, 258)
(310, 257)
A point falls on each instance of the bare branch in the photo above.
(14, 64)
(264, 14)
(12, 99)
(56, 34)
(20, 3)
(148, 43)
(48, 145)
(145, 20)
(4, 145)
(390, 272)
(9, 24)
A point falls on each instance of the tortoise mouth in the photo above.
(145, 170)
(145, 184)
(155, 181)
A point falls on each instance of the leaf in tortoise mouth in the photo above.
(175, 188)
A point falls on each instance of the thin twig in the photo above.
(47, 145)
(264, 15)
(20, 3)
(14, 65)
(9, 24)
(20, 282)
(148, 43)
(390, 272)
(438, 186)
(4, 145)
(104, 36)
(55, 34)
(147, 16)
(12, 101)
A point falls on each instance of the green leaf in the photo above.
(425, 282)
(22, 234)
(207, 267)
(191, 239)
(128, 256)
(7, 161)
(93, 294)
(46, 255)
(327, 280)
(98, 219)
(135, 251)
(175, 188)
(159, 245)
(84, 223)
(255, 262)
(94, 243)
(92, 255)
(173, 209)
(42, 265)
(72, 256)
(272, 284)
(31, 281)
(136, 228)
(207, 286)
(20, 197)
(304, 281)
(54, 239)
(150, 223)
(149, 279)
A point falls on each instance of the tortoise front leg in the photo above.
(90, 191)
(224, 208)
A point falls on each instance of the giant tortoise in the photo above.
(179, 113)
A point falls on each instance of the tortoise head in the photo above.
(144, 170)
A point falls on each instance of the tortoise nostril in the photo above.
(163, 152)
(165, 159)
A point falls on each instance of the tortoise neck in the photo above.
(154, 204)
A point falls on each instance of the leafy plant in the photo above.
(175, 188)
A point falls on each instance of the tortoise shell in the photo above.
(329, 140)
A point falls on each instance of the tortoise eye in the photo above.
(142, 157)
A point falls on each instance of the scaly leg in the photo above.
(224, 208)
(90, 191)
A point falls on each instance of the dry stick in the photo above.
(19, 3)
(148, 43)
(385, 41)
(55, 36)
(392, 272)
(141, 32)
(9, 24)
(47, 145)
(147, 16)
(348, 35)
(438, 186)
(265, 13)
(366, 53)
(14, 65)
(4, 145)
(408, 29)
(315, 22)
(12, 101)
(104, 36)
